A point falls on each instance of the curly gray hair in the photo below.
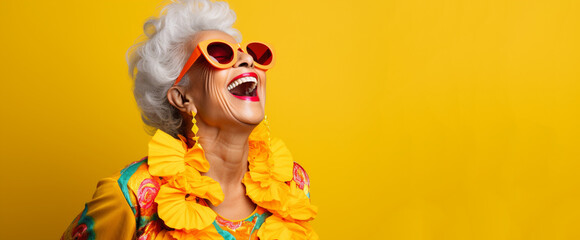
(155, 62)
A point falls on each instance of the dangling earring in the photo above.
(267, 124)
(194, 128)
(261, 132)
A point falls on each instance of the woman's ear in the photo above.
(177, 97)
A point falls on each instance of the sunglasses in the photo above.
(222, 55)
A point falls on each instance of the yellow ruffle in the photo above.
(268, 183)
(177, 198)
(181, 211)
(169, 156)
(207, 233)
(273, 164)
(270, 197)
(261, 132)
(277, 228)
(163, 235)
(203, 187)
(297, 206)
(269, 171)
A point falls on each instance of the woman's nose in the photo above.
(244, 60)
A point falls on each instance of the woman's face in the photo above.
(215, 104)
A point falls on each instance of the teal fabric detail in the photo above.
(124, 179)
(228, 236)
(85, 210)
(261, 219)
(89, 222)
(225, 234)
(144, 220)
(251, 218)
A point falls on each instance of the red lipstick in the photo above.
(255, 96)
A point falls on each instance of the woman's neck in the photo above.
(226, 151)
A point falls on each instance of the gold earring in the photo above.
(267, 124)
(194, 128)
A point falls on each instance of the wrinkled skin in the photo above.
(224, 121)
(212, 101)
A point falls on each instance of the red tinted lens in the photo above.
(222, 52)
(260, 52)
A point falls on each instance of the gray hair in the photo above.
(155, 62)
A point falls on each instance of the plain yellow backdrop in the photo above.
(449, 119)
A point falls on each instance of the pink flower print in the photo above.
(229, 224)
(147, 192)
(80, 232)
(300, 176)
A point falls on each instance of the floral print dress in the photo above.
(123, 207)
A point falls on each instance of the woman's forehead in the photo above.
(212, 34)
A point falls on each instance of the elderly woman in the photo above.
(212, 170)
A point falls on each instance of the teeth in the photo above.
(244, 80)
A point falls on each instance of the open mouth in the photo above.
(245, 87)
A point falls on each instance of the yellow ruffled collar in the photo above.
(268, 183)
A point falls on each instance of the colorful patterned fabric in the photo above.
(242, 229)
(123, 207)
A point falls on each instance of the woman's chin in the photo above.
(247, 113)
(252, 119)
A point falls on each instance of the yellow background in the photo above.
(450, 119)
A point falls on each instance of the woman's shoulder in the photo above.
(140, 189)
(106, 215)
(133, 174)
(138, 186)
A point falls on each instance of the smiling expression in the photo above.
(229, 96)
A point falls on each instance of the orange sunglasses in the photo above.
(222, 55)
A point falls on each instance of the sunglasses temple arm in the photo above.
(194, 56)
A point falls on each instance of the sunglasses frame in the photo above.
(201, 49)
